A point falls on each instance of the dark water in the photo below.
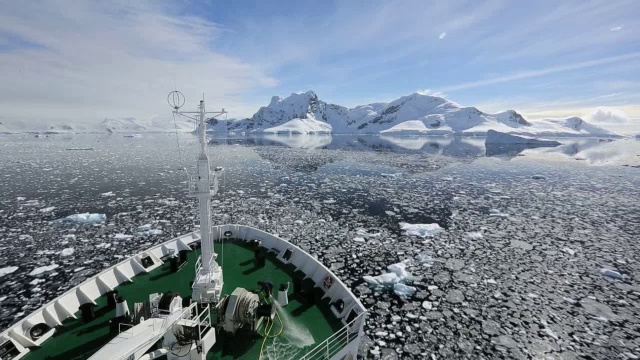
(322, 192)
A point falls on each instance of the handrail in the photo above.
(336, 342)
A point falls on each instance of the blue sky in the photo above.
(117, 58)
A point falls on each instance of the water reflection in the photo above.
(591, 151)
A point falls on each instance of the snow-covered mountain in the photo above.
(109, 125)
(414, 114)
(155, 124)
(305, 113)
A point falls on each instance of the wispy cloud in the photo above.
(561, 28)
(93, 61)
(431, 92)
(541, 72)
(118, 57)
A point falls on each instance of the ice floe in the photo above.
(36, 281)
(422, 230)
(122, 236)
(43, 269)
(611, 274)
(84, 218)
(7, 270)
(146, 230)
(474, 235)
(67, 251)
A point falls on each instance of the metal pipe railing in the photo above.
(336, 342)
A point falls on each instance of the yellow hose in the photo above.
(267, 332)
(266, 336)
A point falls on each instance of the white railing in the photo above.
(197, 267)
(338, 341)
(204, 320)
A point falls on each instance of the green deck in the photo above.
(77, 341)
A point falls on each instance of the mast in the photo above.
(204, 194)
(207, 285)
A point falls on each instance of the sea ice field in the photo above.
(457, 250)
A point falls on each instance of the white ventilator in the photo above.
(122, 309)
(283, 296)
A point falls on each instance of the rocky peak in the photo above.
(513, 117)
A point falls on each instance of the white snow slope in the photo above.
(410, 115)
(108, 125)
(301, 126)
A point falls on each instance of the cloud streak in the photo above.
(541, 72)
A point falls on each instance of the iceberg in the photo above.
(400, 269)
(381, 280)
(503, 144)
(504, 138)
(395, 278)
(404, 290)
